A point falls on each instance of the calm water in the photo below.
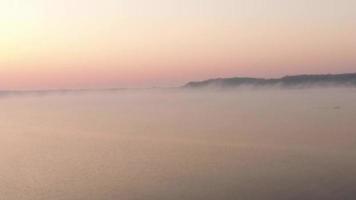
(153, 145)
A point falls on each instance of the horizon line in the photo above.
(65, 90)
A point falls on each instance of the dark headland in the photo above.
(297, 81)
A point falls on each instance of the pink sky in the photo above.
(48, 44)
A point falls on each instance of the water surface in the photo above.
(172, 144)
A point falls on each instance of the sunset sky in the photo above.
(50, 44)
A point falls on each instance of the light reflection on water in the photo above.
(266, 144)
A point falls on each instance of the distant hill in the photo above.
(297, 81)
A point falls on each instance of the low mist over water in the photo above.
(179, 145)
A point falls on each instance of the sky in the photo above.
(57, 44)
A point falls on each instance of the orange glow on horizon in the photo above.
(97, 44)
